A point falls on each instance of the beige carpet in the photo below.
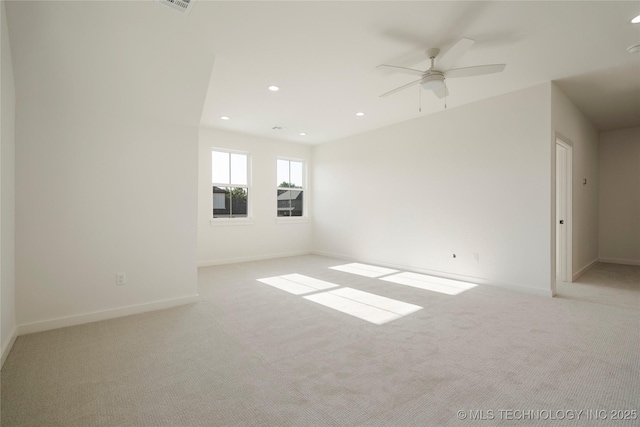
(252, 355)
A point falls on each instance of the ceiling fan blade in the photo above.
(403, 69)
(398, 89)
(452, 55)
(478, 70)
(441, 92)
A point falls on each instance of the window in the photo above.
(290, 187)
(230, 182)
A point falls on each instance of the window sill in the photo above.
(230, 221)
(291, 220)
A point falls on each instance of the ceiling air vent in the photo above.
(182, 5)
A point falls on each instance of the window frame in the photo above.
(229, 220)
(305, 202)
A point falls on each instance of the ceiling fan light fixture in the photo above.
(432, 82)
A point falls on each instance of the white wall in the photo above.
(473, 179)
(264, 236)
(620, 196)
(7, 200)
(106, 155)
(570, 124)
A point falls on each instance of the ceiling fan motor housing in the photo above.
(433, 80)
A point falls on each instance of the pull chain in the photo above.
(420, 99)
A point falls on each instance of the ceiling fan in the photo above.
(434, 78)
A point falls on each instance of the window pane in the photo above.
(296, 203)
(239, 198)
(296, 174)
(221, 205)
(238, 169)
(283, 173)
(290, 202)
(284, 203)
(220, 167)
(230, 202)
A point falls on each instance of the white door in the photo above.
(563, 212)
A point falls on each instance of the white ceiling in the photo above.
(154, 61)
(324, 54)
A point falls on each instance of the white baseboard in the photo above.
(251, 258)
(8, 344)
(80, 319)
(584, 269)
(477, 280)
(620, 261)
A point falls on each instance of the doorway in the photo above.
(564, 157)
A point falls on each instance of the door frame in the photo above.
(565, 271)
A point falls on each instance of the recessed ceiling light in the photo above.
(302, 134)
(360, 114)
(636, 20)
(274, 88)
(224, 118)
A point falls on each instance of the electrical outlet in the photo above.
(121, 279)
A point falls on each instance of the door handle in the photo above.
(562, 221)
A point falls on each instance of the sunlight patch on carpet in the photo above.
(430, 283)
(364, 305)
(364, 269)
(297, 284)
